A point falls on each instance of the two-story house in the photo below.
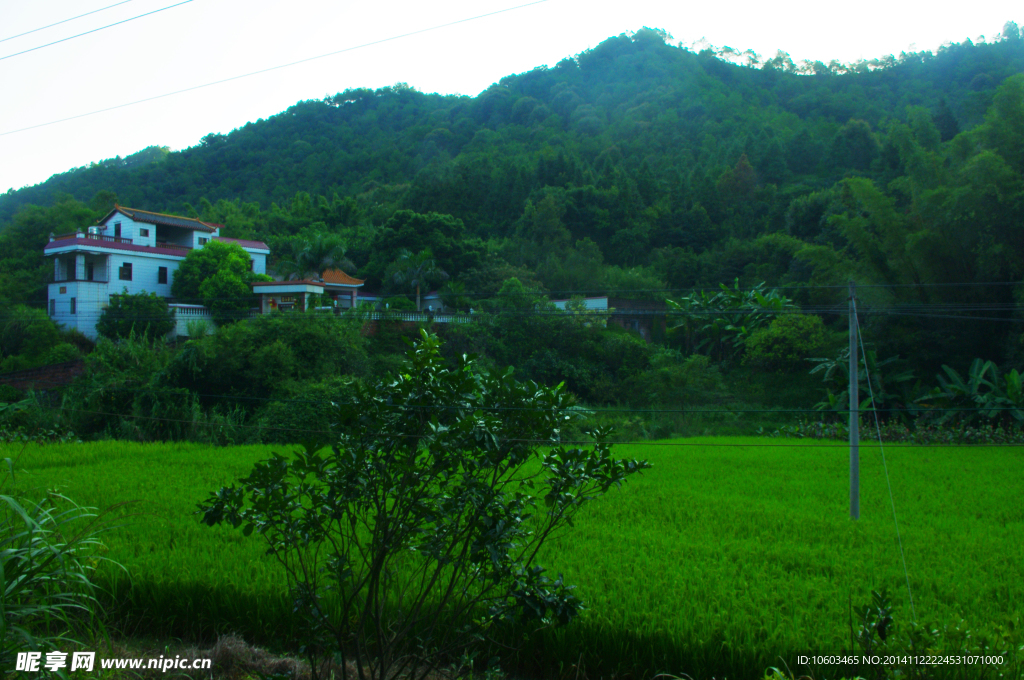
(128, 250)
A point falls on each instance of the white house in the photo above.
(129, 250)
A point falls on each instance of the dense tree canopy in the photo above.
(635, 166)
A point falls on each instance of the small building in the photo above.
(129, 250)
(287, 296)
(343, 289)
(646, 317)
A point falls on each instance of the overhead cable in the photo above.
(101, 28)
(268, 70)
(43, 28)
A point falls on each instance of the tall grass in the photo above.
(727, 557)
(48, 599)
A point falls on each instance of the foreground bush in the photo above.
(419, 529)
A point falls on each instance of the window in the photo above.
(252, 265)
(53, 307)
(74, 305)
(203, 241)
(144, 233)
(161, 275)
(89, 271)
(117, 230)
(124, 272)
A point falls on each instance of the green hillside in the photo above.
(634, 166)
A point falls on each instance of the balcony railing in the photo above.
(94, 237)
(77, 280)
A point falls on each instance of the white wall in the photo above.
(145, 272)
(259, 262)
(131, 229)
(90, 299)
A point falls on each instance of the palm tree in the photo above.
(315, 257)
(415, 271)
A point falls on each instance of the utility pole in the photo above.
(854, 408)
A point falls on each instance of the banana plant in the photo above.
(718, 325)
(982, 394)
(881, 387)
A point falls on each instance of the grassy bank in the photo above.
(729, 554)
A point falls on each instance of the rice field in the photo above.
(729, 556)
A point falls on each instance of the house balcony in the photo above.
(93, 237)
(65, 279)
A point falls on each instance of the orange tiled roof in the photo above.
(339, 277)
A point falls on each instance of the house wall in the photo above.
(145, 273)
(131, 229)
(259, 262)
(90, 299)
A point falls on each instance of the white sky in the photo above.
(209, 40)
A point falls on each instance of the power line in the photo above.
(35, 30)
(117, 23)
(272, 68)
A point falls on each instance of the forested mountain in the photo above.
(636, 165)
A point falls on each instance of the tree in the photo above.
(218, 276)
(203, 263)
(444, 235)
(415, 271)
(228, 296)
(422, 520)
(314, 257)
(144, 313)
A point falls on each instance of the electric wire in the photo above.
(272, 68)
(42, 28)
(117, 23)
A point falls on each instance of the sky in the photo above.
(182, 46)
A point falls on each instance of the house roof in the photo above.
(92, 244)
(254, 245)
(279, 287)
(338, 277)
(161, 218)
(303, 282)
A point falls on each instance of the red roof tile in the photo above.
(339, 277)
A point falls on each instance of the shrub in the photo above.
(65, 351)
(26, 335)
(786, 342)
(144, 313)
(303, 410)
(254, 358)
(418, 529)
(675, 381)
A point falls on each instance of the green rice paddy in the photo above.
(729, 556)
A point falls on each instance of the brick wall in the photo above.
(44, 377)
